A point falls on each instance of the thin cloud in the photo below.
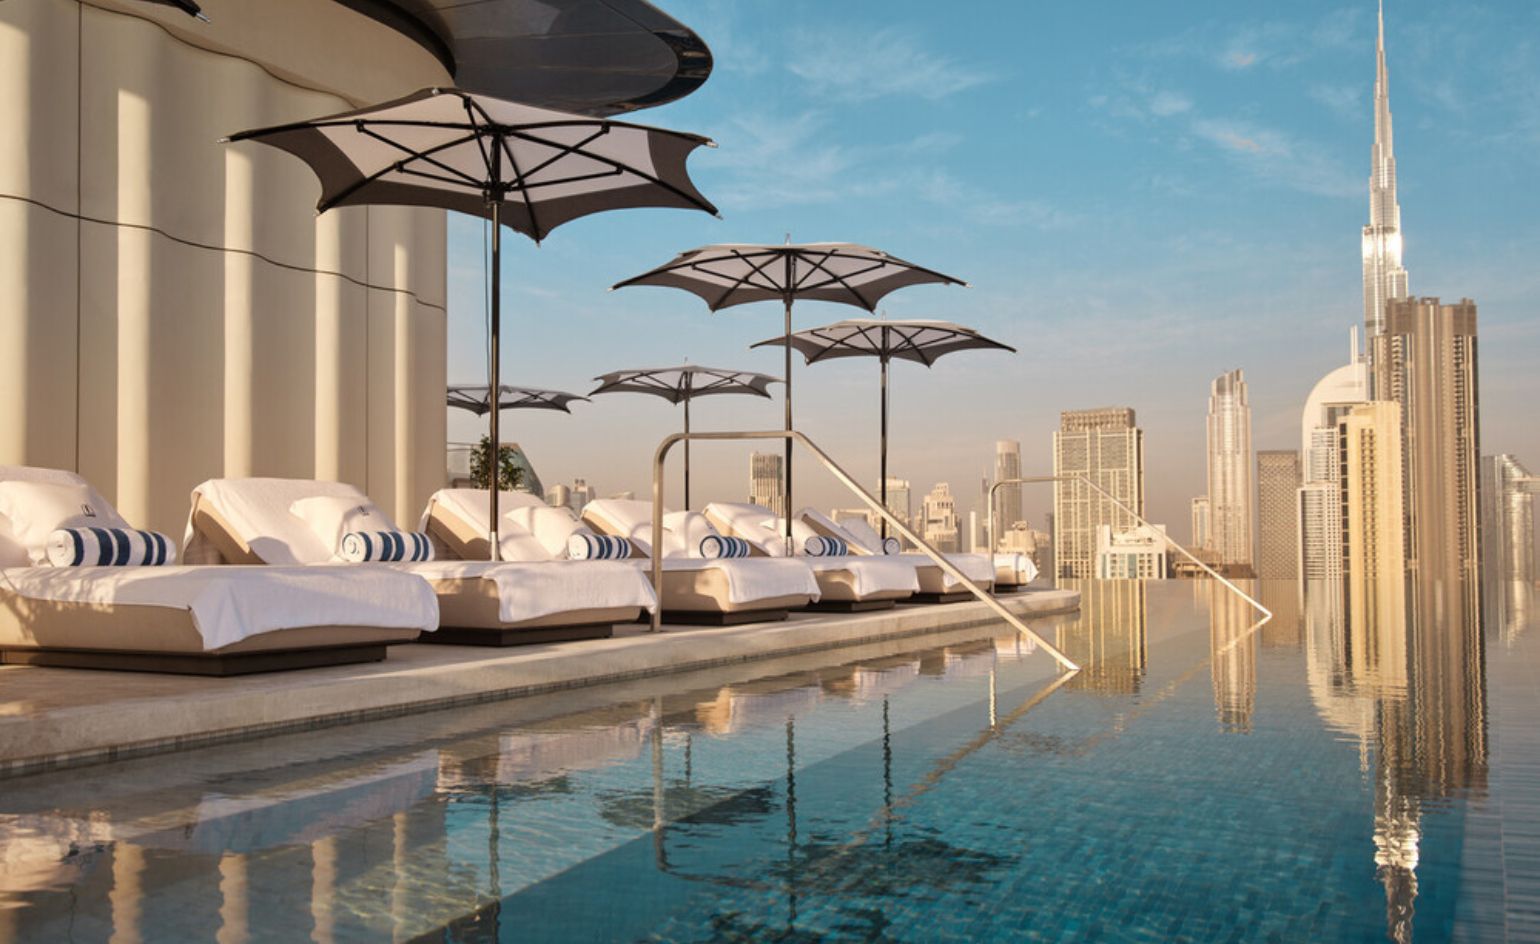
(1278, 157)
(1344, 101)
(861, 66)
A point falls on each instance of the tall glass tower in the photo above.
(1384, 276)
(1230, 491)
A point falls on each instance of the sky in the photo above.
(1141, 194)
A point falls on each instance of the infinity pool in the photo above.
(1202, 778)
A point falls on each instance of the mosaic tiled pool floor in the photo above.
(1201, 779)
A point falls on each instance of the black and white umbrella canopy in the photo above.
(453, 150)
(730, 274)
(679, 384)
(477, 398)
(683, 384)
(917, 340)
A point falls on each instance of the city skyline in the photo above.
(1275, 74)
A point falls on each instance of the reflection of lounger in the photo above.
(192, 620)
(936, 585)
(756, 704)
(1013, 570)
(696, 589)
(844, 583)
(480, 603)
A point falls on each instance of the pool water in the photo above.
(1202, 778)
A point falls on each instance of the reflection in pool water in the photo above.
(1202, 778)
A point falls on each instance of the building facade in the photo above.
(1369, 442)
(899, 503)
(1230, 491)
(1007, 505)
(1508, 525)
(765, 481)
(1136, 554)
(1105, 446)
(1277, 487)
(1200, 523)
(1425, 362)
(939, 514)
(172, 309)
(1318, 512)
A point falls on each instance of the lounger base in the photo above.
(955, 596)
(210, 664)
(717, 618)
(1010, 587)
(849, 606)
(514, 636)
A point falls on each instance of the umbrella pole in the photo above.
(786, 489)
(687, 453)
(495, 452)
(884, 464)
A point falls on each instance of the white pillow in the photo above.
(553, 527)
(332, 516)
(38, 509)
(12, 554)
(517, 544)
(801, 533)
(683, 532)
(863, 534)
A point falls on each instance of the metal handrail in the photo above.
(994, 535)
(846, 479)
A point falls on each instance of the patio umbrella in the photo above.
(915, 340)
(736, 274)
(529, 168)
(683, 384)
(477, 398)
(186, 6)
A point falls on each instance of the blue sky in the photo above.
(1142, 194)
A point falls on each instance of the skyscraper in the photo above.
(939, 511)
(1508, 525)
(1277, 482)
(1229, 471)
(1200, 523)
(898, 499)
(582, 494)
(765, 481)
(1319, 510)
(1425, 361)
(1384, 277)
(1007, 509)
(1105, 446)
(1369, 444)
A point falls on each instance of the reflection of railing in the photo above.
(849, 482)
(1085, 480)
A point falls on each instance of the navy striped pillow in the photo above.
(820, 546)
(585, 545)
(716, 546)
(361, 546)
(109, 547)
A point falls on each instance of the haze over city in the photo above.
(1141, 197)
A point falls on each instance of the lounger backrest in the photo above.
(12, 553)
(828, 527)
(755, 524)
(632, 520)
(256, 513)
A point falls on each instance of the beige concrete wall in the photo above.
(171, 308)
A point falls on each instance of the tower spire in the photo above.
(1384, 276)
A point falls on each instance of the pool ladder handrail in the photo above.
(846, 479)
(994, 534)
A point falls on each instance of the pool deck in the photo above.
(52, 718)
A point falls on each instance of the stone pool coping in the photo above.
(52, 718)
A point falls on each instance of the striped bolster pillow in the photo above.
(109, 547)
(891, 546)
(587, 546)
(715, 546)
(361, 546)
(820, 546)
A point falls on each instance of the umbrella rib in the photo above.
(501, 143)
(424, 156)
(562, 150)
(358, 185)
(698, 202)
(842, 280)
(753, 271)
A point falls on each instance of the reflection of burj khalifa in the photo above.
(1384, 277)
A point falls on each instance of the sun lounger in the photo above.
(480, 603)
(845, 583)
(936, 585)
(701, 590)
(181, 619)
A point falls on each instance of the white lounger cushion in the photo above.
(979, 568)
(229, 604)
(759, 526)
(1016, 568)
(748, 580)
(258, 511)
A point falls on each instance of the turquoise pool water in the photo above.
(1203, 778)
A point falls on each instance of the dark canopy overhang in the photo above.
(594, 57)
